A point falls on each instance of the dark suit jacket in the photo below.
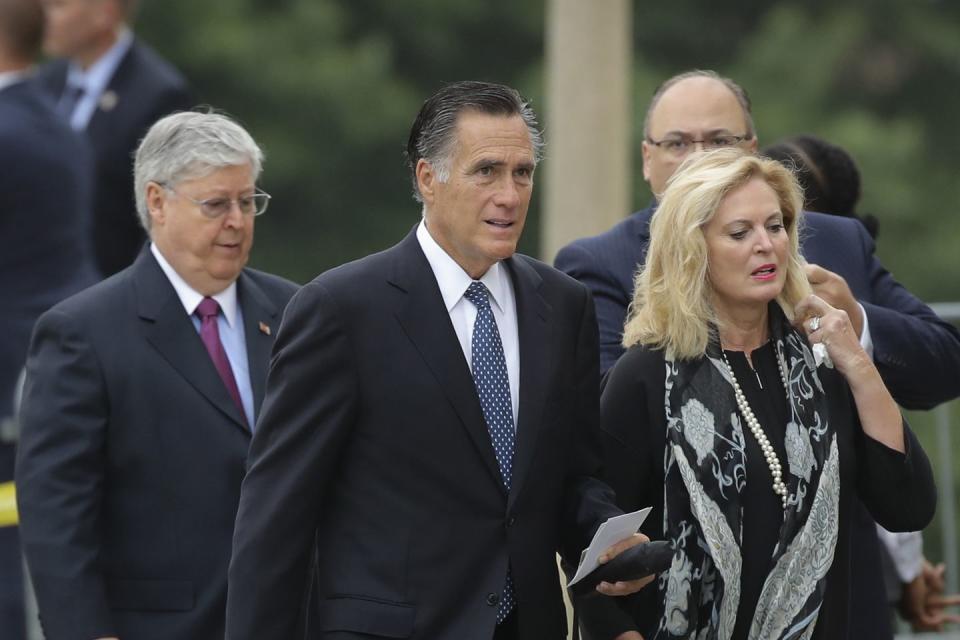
(372, 435)
(45, 180)
(45, 176)
(146, 88)
(131, 458)
(917, 353)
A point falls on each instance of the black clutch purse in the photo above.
(636, 562)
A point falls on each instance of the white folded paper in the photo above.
(820, 356)
(610, 532)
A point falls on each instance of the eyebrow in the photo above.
(489, 162)
(687, 134)
(775, 214)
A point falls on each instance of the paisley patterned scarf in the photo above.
(705, 476)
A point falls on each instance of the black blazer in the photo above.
(898, 488)
(146, 88)
(131, 458)
(372, 437)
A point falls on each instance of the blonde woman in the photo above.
(719, 416)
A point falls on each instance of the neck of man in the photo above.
(12, 62)
(96, 49)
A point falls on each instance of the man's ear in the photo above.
(156, 198)
(426, 180)
(645, 150)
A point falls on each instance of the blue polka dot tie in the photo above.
(493, 388)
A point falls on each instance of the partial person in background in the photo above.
(916, 352)
(140, 398)
(718, 415)
(111, 86)
(831, 184)
(45, 256)
(828, 175)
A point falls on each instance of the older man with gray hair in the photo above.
(141, 396)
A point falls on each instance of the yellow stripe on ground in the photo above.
(8, 505)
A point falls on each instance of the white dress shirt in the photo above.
(8, 78)
(229, 323)
(453, 282)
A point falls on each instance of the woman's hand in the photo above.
(831, 327)
(879, 415)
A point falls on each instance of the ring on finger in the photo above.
(814, 324)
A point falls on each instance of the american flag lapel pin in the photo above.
(264, 328)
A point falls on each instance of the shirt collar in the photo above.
(451, 277)
(8, 78)
(95, 79)
(190, 298)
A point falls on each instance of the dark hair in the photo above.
(433, 135)
(738, 92)
(828, 174)
(21, 27)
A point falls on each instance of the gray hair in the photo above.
(433, 134)
(738, 92)
(190, 145)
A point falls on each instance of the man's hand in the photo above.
(629, 635)
(836, 292)
(625, 587)
(923, 603)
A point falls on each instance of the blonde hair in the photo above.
(671, 306)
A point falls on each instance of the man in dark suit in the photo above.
(916, 352)
(45, 182)
(387, 447)
(113, 87)
(140, 397)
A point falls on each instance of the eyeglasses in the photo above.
(682, 145)
(252, 205)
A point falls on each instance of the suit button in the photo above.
(493, 599)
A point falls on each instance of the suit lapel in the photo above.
(169, 329)
(425, 320)
(260, 322)
(535, 325)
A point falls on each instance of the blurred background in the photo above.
(330, 88)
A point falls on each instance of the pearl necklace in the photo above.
(779, 487)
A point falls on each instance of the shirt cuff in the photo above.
(866, 341)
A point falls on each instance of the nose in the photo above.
(764, 243)
(234, 217)
(508, 195)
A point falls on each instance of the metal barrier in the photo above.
(947, 503)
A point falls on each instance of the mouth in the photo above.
(764, 272)
(500, 224)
